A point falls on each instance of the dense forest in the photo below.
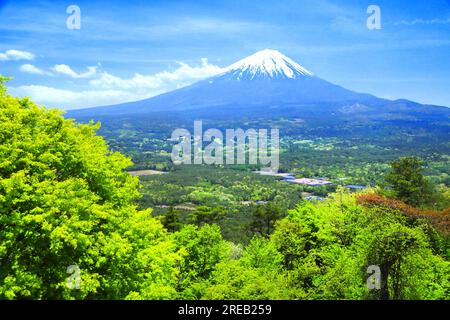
(66, 199)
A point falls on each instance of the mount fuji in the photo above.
(266, 64)
(263, 82)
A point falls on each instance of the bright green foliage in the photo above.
(233, 280)
(328, 247)
(66, 200)
(203, 248)
(409, 268)
(257, 275)
(308, 240)
(261, 253)
(3, 89)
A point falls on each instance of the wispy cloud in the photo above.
(370, 46)
(29, 68)
(113, 26)
(68, 71)
(59, 69)
(16, 55)
(423, 22)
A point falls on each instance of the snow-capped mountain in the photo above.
(267, 64)
(259, 83)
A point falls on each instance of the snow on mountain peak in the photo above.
(267, 63)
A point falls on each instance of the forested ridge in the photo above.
(67, 200)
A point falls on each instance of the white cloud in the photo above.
(16, 55)
(183, 75)
(71, 99)
(29, 68)
(108, 89)
(63, 69)
(66, 70)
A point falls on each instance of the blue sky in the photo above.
(130, 50)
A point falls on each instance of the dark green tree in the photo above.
(206, 215)
(408, 182)
(264, 218)
(172, 220)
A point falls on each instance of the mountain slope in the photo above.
(264, 79)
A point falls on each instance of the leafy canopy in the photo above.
(65, 200)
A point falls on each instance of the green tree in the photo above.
(172, 220)
(264, 218)
(231, 280)
(203, 248)
(66, 200)
(261, 253)
(327, 248)
(308, 241)
(206, 215)
(409, 268)
(388, 254)
(3, 89)
(408, 182)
